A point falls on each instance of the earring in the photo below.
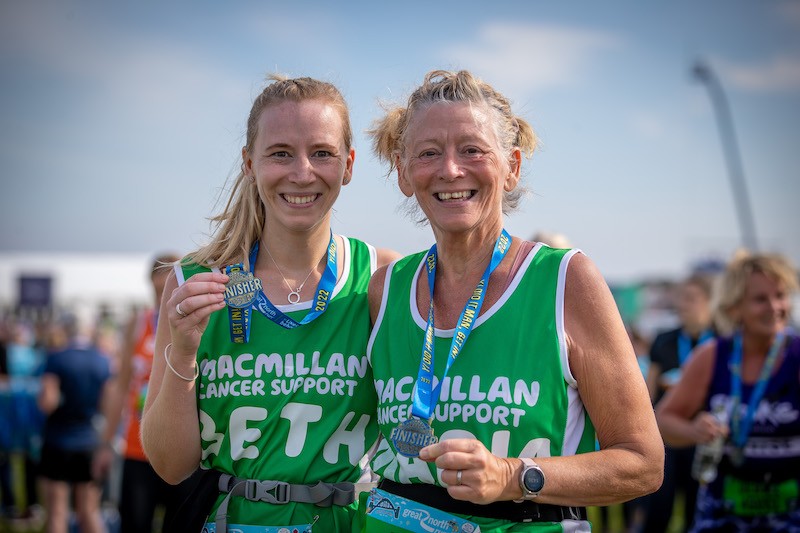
(252, 178)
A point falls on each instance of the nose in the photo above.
(302, 171)
(451, 169)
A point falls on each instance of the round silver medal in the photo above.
(411, 435)
(241, 289)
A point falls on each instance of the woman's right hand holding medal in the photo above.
(190, 307)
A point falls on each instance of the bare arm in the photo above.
(170, 423)
(602, 360)
(679, 413)
(50, 393)
(113, 400)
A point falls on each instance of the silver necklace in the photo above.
(294, 295)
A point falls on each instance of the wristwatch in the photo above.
(531, 480)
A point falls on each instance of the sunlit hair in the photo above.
(733, 284)
(242, 220)
(162, 262)
(388, 133)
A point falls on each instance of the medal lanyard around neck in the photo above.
(425, 396)
(685, 344)
(321, 297)
(741, 427)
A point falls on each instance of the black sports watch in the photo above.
(531, 480)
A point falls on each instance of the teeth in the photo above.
(300, 199)
(454, 195)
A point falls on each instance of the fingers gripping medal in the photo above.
(240, 293)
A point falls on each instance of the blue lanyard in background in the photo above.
(741, 426)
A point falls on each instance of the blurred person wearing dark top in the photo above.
(668, 353)
(75, 382)
(750, 379)
(24, 360)
(142, 489)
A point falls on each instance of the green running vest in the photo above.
(510, 387)
(294, 405)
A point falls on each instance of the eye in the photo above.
(280, 154)
(427, 153)
(472, 151)
(322, 153)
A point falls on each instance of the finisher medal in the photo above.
(241, 289)
(411, 435)
(240, 293)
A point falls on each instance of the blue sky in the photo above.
(121, 121)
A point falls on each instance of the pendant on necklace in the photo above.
(294, 296)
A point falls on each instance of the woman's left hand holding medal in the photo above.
(190, 306)
(471, 471)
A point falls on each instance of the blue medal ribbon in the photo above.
(425, 396)
(685, 344)
(238, 317)
(740, 426)
(321, 297)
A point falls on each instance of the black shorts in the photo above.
(64, 465)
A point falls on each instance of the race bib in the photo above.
(387, 513)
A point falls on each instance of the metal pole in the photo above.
(730, 147)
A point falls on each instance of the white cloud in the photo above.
(780, 73)
(527, 57)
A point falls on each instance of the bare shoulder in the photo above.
(375, 291)
(583, 274)
(595, 332)
(386, 256)
(586, 291)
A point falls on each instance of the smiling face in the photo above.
(299, 161)
(764, 307)
(454, 166)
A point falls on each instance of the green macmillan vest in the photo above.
(294, 405)
(510, 387)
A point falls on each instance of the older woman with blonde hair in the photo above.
(497, 360)
(749, 378)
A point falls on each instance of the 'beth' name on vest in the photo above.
(244, 287)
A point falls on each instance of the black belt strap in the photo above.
(527, 511)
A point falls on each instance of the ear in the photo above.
(402, 181)
(513, 173)
(348, 166)
(247, 163)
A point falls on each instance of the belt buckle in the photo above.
(282, 492)
(278, 492)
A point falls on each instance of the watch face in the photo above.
(533, 479)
